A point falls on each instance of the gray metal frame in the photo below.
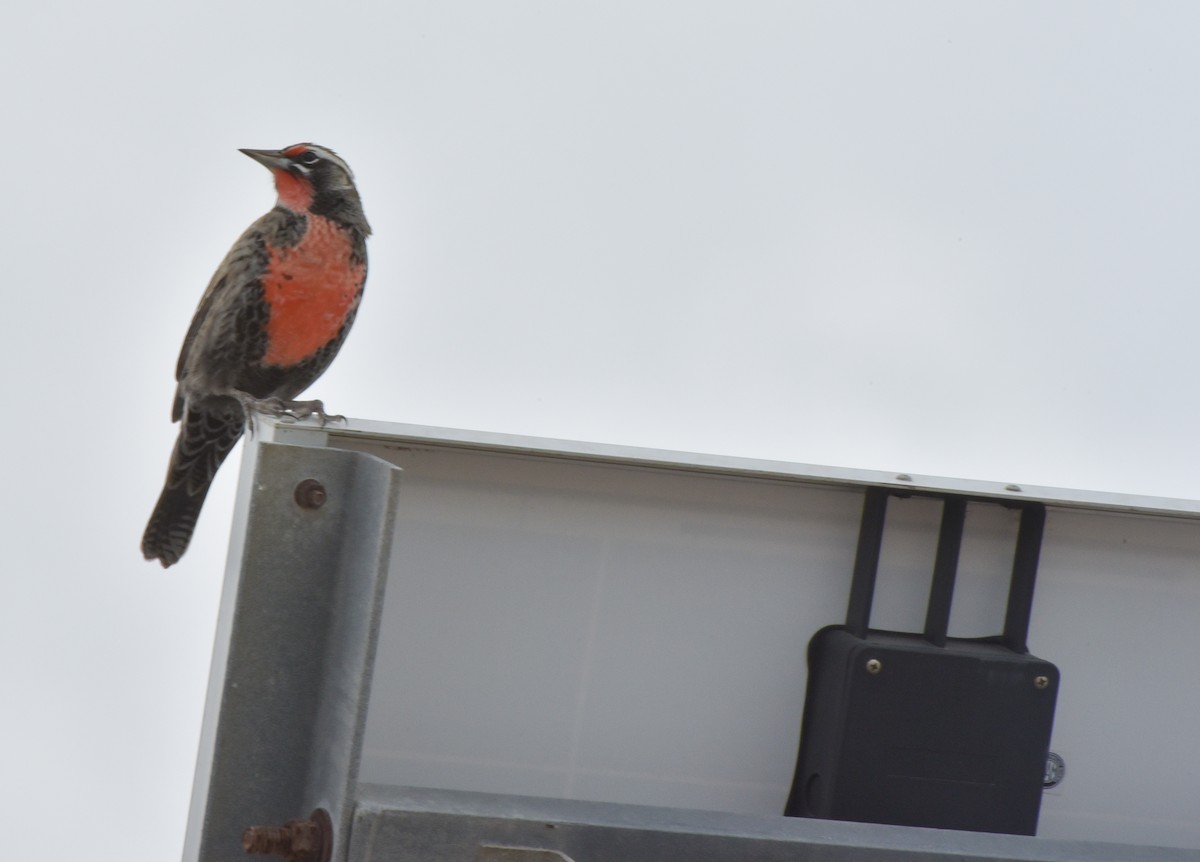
(294, 656)
(295, 647)
(364, 435)
(448, 826)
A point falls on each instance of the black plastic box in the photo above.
(926, 730)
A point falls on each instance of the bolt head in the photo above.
(1041, 682)
(310, 494)
(1056, 770)
(874, 665)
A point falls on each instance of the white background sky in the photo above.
(944, 238)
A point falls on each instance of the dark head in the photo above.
(315, 179)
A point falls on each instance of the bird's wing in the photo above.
(244, 263)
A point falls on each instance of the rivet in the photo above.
(1056, 770)
(903, 477)
(1016, 489)
(310, 494)
(1041, 681)
(874, 665)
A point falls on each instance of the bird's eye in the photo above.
(308, 158)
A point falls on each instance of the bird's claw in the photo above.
(299, 410)
(292, 411)
(304, 409)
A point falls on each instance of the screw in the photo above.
(310, 494)
(1041, 681)
(874, 665)
(1056, 770)
(296, 841)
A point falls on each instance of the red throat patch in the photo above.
(311, 289)
(295, 193)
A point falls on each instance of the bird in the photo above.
(270, 322)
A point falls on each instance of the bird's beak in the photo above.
(272, 159)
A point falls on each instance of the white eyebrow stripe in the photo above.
(331, 156)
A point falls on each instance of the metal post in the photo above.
(295, 651)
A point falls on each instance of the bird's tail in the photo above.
(206, 437)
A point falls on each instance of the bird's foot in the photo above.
(297, 410)
(278, 408)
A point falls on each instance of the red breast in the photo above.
(310, 289)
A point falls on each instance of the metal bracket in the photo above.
(405, 823)
(296, 641)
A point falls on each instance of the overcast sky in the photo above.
(942, 238)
